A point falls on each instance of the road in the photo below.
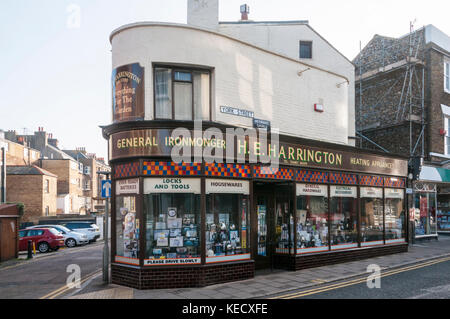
(430, 280)
(37, 278)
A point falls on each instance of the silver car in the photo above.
(71, 238)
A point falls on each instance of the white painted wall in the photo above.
(245, 77)
(63, 203)
(285, 38)
(203, 13)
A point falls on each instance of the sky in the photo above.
(55, 55)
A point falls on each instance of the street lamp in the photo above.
(106, 234)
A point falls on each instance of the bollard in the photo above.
(34, 248)
(30, 253)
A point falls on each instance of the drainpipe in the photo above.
(3, 177)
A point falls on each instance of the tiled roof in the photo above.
(27, 170)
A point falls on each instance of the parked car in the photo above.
(71, 238)
(45, 239)
(90, 229)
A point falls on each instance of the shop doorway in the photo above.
(272, 208)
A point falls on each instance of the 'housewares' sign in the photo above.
(127, 186)
(312, 190)
(217, 186)
(171, 185)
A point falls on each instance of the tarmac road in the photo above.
(427, 281)
(37, 278)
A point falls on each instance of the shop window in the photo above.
(394, 215)
(343, 217)
(425, 214)
(227, 227)
(172, 208)
(372, 226)
(127, 227)
(182, 94)
(312, 218)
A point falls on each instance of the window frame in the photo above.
(447, 135)
(446, 75)
(309, 42)
(183, 69)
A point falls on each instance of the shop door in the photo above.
(284, 222)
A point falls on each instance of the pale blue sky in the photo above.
(59, 77)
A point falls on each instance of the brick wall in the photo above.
(27, 189)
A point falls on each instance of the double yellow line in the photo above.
(358, 281)
(65, 288)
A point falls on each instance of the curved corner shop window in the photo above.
(425, 214)
(343, 215)
(127, 227)
(173, 225)
(394, 214)
(371, 214)
(312, 216)
(227, 225)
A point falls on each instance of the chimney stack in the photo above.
(245, 10)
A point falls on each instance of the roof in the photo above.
(27, 170)
(75, 154)
(60, 153)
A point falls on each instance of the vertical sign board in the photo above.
(106, 188)
(128, 93)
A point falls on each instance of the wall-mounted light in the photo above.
(339, 84)
(300, 73)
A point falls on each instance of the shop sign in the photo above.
(237, 112)
(172, 261)
(218, 186)
(312, 190)
(172, 185)
(160, 142)
(128, 93)
(393, 193)
(127, 186)
(343, 191)
(371, 192)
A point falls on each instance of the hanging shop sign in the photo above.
(393, 193)
(371, 192)
(160, 142)
(172, 185)
(128, 93)
(312, 190)
(217, 186)
(127, 186)
(343, 191)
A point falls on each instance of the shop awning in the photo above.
(435, 174)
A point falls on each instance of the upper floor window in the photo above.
(47, 186)
(447, 76)
(182, 94)
(305, 50)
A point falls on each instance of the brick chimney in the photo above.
(245, 10)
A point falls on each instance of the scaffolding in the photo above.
(376, 66)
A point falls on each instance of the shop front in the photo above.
(191, 224)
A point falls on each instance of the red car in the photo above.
(45, 239)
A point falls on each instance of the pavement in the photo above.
(266, 284)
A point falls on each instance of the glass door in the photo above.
(264, 206)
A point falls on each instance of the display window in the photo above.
(394, 215)
(443, 213)
(372, 226)
(343, 217)
(312, 218)
(425, 218)
(127, 230)
(227, 221)
(172, 210)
